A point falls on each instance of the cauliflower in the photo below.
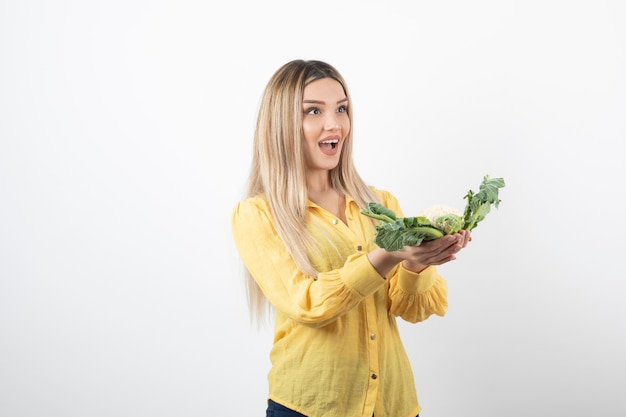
(393, 233)
(443, 217)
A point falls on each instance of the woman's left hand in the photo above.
(434, 252)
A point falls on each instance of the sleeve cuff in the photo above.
(359, 275)
(416, 283)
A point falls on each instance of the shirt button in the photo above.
(374, 376)
(359, 247)
(373, 336)
(335, 221)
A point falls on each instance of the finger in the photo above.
(445, 242)
(442, 260)
(444, 255)
(467, 238)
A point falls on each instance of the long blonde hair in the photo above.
(278, 166)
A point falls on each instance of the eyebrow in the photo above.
(323, 102)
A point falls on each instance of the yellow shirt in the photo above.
(337, 351)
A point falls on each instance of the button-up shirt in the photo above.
(337, 351)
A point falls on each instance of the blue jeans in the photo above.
(277, 410)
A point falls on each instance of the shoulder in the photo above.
(251, 208)
(258, 201)
(387, 199)
(385, 196)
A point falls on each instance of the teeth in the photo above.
(330, 141)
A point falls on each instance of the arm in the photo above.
(416, 289)
(309, 301)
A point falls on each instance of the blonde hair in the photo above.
(278, 166)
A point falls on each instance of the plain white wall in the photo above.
(125, 136)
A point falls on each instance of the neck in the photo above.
(329, 199)
(319, 182)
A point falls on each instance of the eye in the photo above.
(342, 109)
(312, 110)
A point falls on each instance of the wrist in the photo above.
(383, 261)
(414, 266)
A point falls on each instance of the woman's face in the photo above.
(325, 123)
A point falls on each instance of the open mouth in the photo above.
(329, 144)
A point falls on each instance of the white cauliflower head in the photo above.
(443, 217)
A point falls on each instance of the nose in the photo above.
(331, 123)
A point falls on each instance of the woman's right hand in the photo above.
(418, 258)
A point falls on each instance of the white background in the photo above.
(125, 137)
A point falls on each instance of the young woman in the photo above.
(337, 351)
